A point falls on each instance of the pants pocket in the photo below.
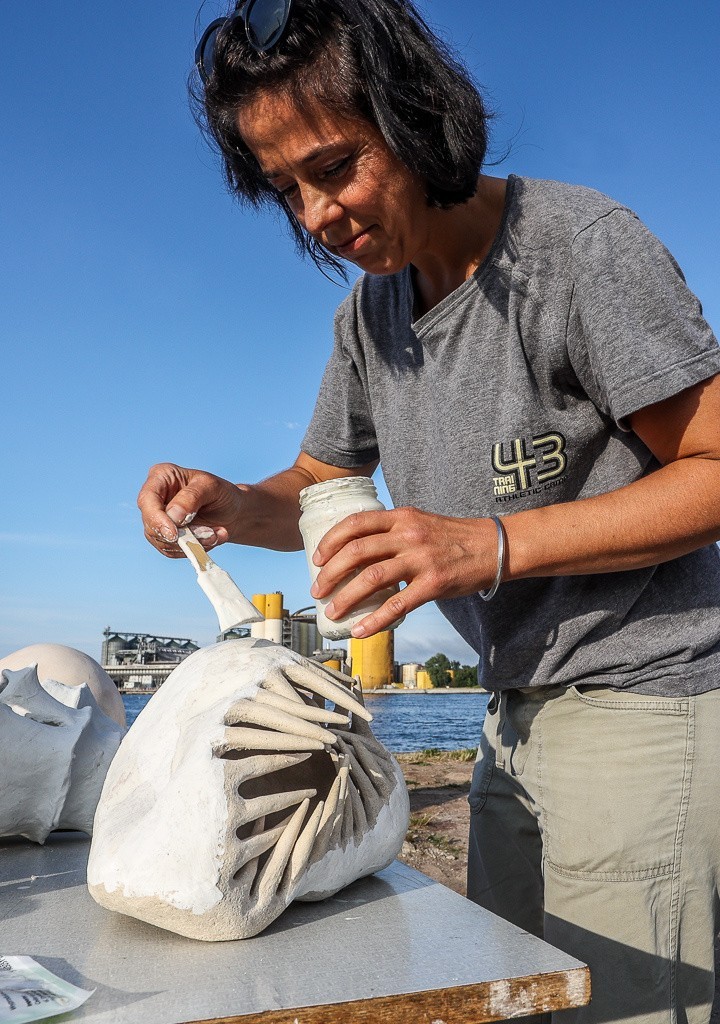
(615, 772)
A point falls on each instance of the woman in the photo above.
(585, 411)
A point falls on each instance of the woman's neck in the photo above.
(459, 239)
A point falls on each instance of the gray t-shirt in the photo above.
(513, 393)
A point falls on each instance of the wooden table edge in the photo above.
(463, 1004)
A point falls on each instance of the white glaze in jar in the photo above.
(323, 506)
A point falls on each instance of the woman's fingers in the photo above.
(357, 553)
(209, 536)
(367, 540)
(437, 556)
(173, 496)
(396, 607)
(375, 578)
(163, 482)
(163, 546)
(359, 524)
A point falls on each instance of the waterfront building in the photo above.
(141, 660)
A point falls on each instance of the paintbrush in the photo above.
(230, 604)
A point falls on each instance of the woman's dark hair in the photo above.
(376, 59)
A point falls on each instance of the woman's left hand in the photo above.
(436, 556)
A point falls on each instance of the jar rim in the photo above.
(337, 485)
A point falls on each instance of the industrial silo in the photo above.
(257, 629)
(305, 637)
(111, 645)
(274, 617)
(372, 660)
(409, 674)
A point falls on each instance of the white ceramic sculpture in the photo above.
(72, 667)
(55, 749)
(236, 792)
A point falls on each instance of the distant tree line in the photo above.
(444, 672)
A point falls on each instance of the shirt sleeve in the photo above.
(636, 333)
(342, 432)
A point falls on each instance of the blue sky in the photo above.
(146, 317)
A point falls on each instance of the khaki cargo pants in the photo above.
(595, 823)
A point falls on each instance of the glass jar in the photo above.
(323, 506)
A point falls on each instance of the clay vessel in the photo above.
(237, 791)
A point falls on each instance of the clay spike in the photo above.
(277, 683)
(360, 818)
(331, 802)
(252, 847)
(250, 712)
(327, 823)
(256, 806)
(245, 876)
(355, 687)
(312, 680)
(237, 738)
(335, 835)
(271, 874)
(303, 849)
(370, 748)
(256, 766)
(309, 712)
(369, 762)
(343, 679)
(347, 824)
(366, 743)
(358, 776)
(361, 728)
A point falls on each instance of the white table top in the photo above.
(392, 945)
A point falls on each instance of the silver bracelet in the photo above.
(486, 595)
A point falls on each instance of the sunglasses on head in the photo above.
(265, 22)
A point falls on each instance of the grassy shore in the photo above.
(438, 782)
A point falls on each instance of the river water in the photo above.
(405, 722)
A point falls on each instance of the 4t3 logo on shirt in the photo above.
(528, 465)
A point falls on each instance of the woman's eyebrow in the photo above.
(309, 158)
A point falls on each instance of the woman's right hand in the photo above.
(173, 496)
